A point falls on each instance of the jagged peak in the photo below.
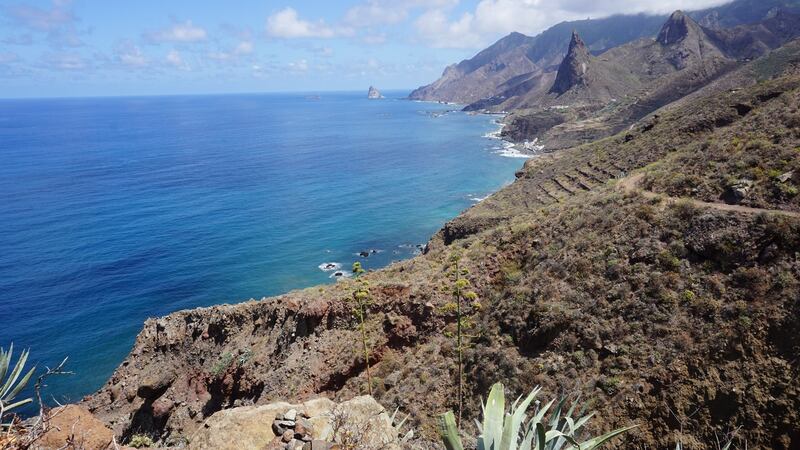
(576, 43)
(573, 67)
(677, 28)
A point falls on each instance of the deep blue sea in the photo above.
(114, 210)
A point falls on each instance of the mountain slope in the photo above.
(680, 317)
(628, 82)
(477, 78)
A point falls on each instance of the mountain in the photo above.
(518, 55)
(591, 96)
(525, 58)
(619, 270)
(573, 69)
(478, 77)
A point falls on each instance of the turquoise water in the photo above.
(118, 209)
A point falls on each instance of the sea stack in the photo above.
(374, 93)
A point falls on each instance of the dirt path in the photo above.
(631, 184)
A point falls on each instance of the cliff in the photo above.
(595, 278)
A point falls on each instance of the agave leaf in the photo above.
(582, 421)
(537, 418)
(556, 417)
(493, 415)
(515, 420)
(541, 437)
(12, 379)
(570, 425)
(17, 404)
(596, 442)
(527, 440)
(449, 431)
(5, 360)
(20, 386)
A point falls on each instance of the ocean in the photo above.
(113, 210)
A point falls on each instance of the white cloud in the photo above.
(287, 24)
(132, 57)
(300, 65)
(387, 12)
(65, 61)
(374, 39)
(244, 48)
(434, 27)
(57, 22)
(40, 19)
(185, 32)
(493, 18)
(175, 60)
(235, 55)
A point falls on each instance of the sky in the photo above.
(63, 48)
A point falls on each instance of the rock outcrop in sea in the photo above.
(374, 93)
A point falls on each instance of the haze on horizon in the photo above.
(63, 48)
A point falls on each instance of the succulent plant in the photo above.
(509, 430)
(10, 383)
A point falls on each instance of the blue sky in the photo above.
(110, 47)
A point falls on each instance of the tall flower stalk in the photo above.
(361, 297)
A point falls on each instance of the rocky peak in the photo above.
(677, 28)
(573, 68)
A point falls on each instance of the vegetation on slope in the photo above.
(676, 315)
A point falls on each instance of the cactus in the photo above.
(449, 432)
(12, 385)
(503, 430)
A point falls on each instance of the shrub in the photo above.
(141, 441)
(508, 430)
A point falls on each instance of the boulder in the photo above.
(75, 425)
(737, 191)
(249, 427)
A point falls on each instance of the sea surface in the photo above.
(113, 210)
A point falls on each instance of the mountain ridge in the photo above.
(531, 56)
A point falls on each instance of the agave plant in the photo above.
(509, 430)
(12, 385)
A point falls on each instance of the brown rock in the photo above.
(288, 435)
(319, 445)
(162, 407)
(73, 423)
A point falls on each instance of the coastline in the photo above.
(510, 149)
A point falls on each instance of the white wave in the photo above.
(477, 199)
(329, 266)
(496, 133)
